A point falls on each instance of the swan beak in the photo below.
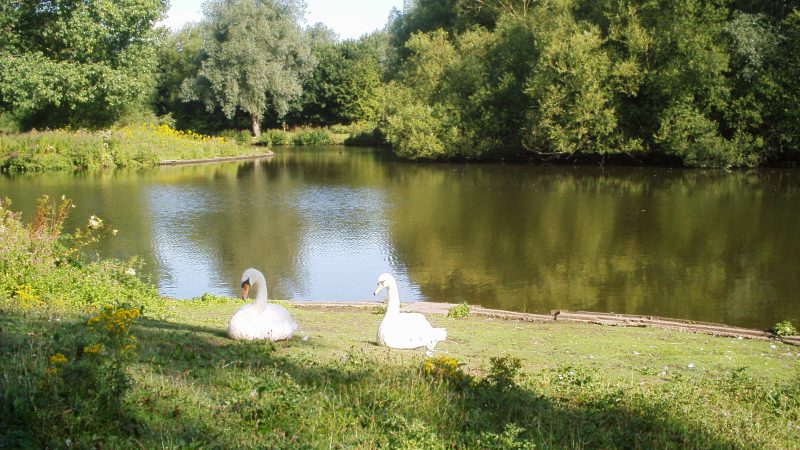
(378, 288)
(245, 290)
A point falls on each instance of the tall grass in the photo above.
(65, 320)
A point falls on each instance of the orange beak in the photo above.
(245, 290)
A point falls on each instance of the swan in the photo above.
(260, 320)
(404, 330)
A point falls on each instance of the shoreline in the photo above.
(588, 317)
(177, 162)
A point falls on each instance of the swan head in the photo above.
(248, 278)
(384, 281)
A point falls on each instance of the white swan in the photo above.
(260, 320)
(404, 330)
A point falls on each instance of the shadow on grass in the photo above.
(385, 403)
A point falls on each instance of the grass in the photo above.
(80, 368)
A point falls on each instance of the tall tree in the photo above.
(256, 58)
(76, 62)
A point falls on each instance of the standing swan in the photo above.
(260, 320)
(404, 330)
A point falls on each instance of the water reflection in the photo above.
(323, 223)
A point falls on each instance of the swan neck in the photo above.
(393, 307)
(260, 286)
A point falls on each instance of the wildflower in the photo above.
(691, 365)
(114, 232)
(130, 271)
(95, 223)
(94, 348)
(58, 359)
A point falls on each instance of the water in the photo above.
(323, 223)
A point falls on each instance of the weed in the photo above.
(458, 311)
(784, 328)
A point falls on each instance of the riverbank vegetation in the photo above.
(91, 356)
(119, 147)
(701, 83)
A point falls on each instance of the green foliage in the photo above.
(40, 266)
(122, 147)
(446, 369)
(705, 84)
(255, 58)
(344, 82)
(504, 372)
(78, 63)
(69, 381)
(275, 137)
(784, 328)
(241, 137)
(301, 136)
(458, 311)
(312, 137)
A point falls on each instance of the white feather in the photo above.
(404, 330)
(260, 320)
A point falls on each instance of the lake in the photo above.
(323, 223)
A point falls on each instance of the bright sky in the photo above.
(348, 18)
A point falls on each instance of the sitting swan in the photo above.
(404, 330)
(260, 320)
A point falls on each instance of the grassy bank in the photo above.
(123, 147)
(91, 357)
(146, 145)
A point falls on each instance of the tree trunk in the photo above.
(255, 127)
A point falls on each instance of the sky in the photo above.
(348, 18)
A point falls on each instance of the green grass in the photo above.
(578, 386)
(79, 373)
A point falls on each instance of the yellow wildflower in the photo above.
(94, 348)
(57, 359)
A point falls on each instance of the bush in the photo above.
(458, 311)
(42, 266)
(312, 137)
(274, 137)
(784, 328)
(241, 137)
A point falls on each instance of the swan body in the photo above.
(404, 330)
(260, 320)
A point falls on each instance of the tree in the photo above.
(76, 62)
(256, 58)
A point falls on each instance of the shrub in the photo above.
(784, 328)
(241, 137)
(458, 311)
(446, 369)
(274, 137)
(312, 137)
(504, 372)
(42, 266)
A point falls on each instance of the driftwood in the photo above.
(177, 162)
(598, 318)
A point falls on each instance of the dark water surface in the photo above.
(323, 223)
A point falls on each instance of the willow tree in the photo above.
(256, 57)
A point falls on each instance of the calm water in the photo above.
(322, 224)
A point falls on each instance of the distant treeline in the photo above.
(704, 83)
